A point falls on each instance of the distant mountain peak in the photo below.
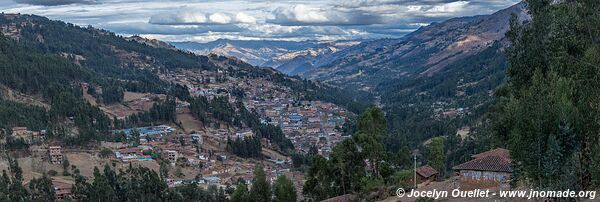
(268, 53)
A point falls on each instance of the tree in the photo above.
(11, 187)
(348, 166)
(372, 128)
(164, 170)
(424, 199)
(284, 190)
(80, 189)
(134, 137)
(66, 165)
(436, 153)
(402, 158)
(595, 168)
(261, 190)
(241, 193)
(319, 183)
(402, 178)
(545, 107)
(101, 187)
(42, 189)
(105, 153)
(15, 170)
(112, 93)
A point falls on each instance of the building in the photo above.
(426, 174)
(127, 154)
(56, 156)
(212, 180)
(61, 190)
(487, 169)
(28, 136)
(147, 131)
(172, 155)
(243, 134)
(197, 137)
(19, 131)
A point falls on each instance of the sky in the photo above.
(293, 20)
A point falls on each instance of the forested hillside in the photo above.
(548, 112)
(51, 60)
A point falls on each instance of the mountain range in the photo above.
(365, 64)
(289, 57)
(426, 51)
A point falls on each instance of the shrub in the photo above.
(105, 153)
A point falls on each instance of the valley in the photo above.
(298, 101)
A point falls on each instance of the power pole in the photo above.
(415, 181)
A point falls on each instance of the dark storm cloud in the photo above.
(302, 15)
(54, 2)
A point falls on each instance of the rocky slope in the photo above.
(299, 62)
(426, 51)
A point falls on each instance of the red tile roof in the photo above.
(497, 160)
(500, 152)
(426, 171)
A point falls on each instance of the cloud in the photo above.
(302, 15)
(448, 7)
(55, 2)
(295, 31)
(145, 28)
(219, 18)
(245, 18)
(256, 19)
(370, 3)
(196, 18)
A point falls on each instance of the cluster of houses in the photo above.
(306, 123)
(30, 137)
(443, 110)
(11, 29)
(216, 168)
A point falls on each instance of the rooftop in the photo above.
(497, 160)
(426, 171)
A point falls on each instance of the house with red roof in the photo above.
(61, 190)
(426, 174)
(490, 168)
